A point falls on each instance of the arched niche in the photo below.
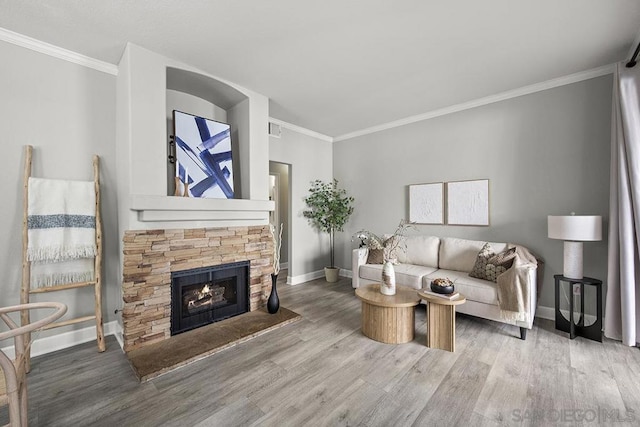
(227, 104)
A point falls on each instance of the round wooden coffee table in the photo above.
(441, 320)
(388, 318)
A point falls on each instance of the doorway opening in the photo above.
(280, 193)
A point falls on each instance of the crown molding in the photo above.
(105, 67)
(302, 130)
(525, 90)
(57, 52)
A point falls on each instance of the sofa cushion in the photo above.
(420, 250)
(460, 254)
(473, 289)
(406, 274)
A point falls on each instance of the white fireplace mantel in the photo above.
(185, 209)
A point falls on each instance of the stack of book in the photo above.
(450, 296)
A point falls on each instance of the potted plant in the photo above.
(328, 210)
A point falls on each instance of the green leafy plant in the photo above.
(329, 208)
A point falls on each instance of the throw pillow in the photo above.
(480, 268)
(504, 259)
(489, 266)
(375, 256)
(493, 271)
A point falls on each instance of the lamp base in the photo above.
(572, 260)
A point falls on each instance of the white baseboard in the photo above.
(296, 280)
(548, 313)
(118, 334)
(64, 340)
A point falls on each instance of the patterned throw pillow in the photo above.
(489, 266)
(493, 271)
(480, 268)
(504, 259)
(375, 256)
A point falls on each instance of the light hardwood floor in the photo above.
(323, 371)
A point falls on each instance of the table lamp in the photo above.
(574, 229)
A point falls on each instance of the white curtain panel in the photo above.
(622, 315)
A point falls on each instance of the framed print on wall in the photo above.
(468, 202)
(204, 156)
(426, 203)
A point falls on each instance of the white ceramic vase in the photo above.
(388, 285)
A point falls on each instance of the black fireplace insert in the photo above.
(205, 295)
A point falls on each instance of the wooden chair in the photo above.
(13, 382)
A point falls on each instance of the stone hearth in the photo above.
(151, 255)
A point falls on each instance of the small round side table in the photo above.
(441, 320)
(388, 318)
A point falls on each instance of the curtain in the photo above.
(622, 315)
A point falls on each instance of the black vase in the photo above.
(273, 304)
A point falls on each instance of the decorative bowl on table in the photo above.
(442, 286)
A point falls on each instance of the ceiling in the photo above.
(338, 66)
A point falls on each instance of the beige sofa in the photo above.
(430, 257)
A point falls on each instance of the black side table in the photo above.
(592, 332)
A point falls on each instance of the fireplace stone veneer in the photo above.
(150, 256)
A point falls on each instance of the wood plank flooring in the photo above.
(323, 371)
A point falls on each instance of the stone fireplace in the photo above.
(151, 256)
(162, 234)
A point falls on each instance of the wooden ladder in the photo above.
(26, 289)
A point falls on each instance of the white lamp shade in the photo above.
(579, 228)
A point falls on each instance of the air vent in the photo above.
(275, 130)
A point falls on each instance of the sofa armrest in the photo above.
(358, 258)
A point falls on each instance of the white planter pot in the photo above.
(331, 274)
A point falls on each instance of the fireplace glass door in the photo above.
(205, 295)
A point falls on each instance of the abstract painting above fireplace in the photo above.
(204, 156)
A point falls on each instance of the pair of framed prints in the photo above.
(466, 203)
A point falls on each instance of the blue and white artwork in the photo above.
(203, 154)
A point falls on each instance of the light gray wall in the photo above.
(310, 158)
(544, 153)
(67, 113)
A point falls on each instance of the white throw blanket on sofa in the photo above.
(61, 231)
(513, 287)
